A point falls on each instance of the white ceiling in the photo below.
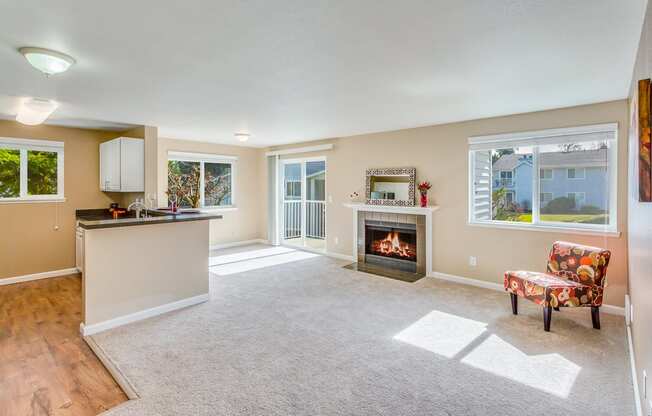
(295, 70)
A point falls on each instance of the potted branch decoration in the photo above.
(423, 189)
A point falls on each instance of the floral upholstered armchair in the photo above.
(576, 276)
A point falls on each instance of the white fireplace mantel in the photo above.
(425, 211)
(357, 206)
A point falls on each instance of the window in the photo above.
(509, 197)
(492, 200)
(575, 173)
(292, 177)
(545, 174)
(506, 178)
(31, 170)
(538, 197)
(546, 197)
(200, 180)
(217, 184)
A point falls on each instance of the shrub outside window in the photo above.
(562, 178)
(201, 180)
(31, 170)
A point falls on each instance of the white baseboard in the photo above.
(608, 309)
(339, 256)
(467, 281)
(38, 276)
(632, 363)
(238, 243)
(325, 253)
(139, 316)
(613, 310)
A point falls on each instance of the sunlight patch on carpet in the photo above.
(442, 333)
(247, 255)
(261, 262)
(551, 373)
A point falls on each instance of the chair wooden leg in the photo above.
(595, 316)
(547, 314)
(514, 303)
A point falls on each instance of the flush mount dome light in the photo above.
(47, 61)
(242, 137)
(35, 111)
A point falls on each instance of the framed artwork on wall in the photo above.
(644, 144)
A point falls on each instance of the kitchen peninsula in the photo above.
(135, 268)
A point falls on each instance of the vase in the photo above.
(424, 200)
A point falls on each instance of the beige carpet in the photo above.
(290, 333)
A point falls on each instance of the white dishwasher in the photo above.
(79, 249)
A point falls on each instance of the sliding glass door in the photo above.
(303, 214)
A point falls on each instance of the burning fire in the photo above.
(392, 245)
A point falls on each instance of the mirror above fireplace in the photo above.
(390, 186)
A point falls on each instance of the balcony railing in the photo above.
(315, 212)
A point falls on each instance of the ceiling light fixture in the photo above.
(35, 111)
(242, 137)
(47, 61)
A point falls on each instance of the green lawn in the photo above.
(576, 218)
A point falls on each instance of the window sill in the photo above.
(218, 209)
(32, 200)
(547, 228)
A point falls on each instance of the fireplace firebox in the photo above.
(392, 245)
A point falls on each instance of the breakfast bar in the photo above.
(134, 268)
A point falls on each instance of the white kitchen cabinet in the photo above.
(122, 165)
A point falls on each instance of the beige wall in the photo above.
(240, 224)
(30, 243)
(640, 232)
(440, 155)
(120, 277)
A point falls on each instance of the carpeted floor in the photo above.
(291, 333)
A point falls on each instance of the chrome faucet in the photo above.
(139, 206)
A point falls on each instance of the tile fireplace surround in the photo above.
(391, 216)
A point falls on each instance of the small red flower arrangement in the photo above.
(423, 188)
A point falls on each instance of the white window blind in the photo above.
(481, 201)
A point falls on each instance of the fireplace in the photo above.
(391, 244)
(394, 242)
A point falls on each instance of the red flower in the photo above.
(424, 186)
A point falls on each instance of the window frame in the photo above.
(24, 146)
(576, 171)
(513, 196)
(552, 175)
(535, 139)
(504, 180)
(202, 159)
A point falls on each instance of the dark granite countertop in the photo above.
(90, 219)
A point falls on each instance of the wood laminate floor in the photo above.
(46, 368)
